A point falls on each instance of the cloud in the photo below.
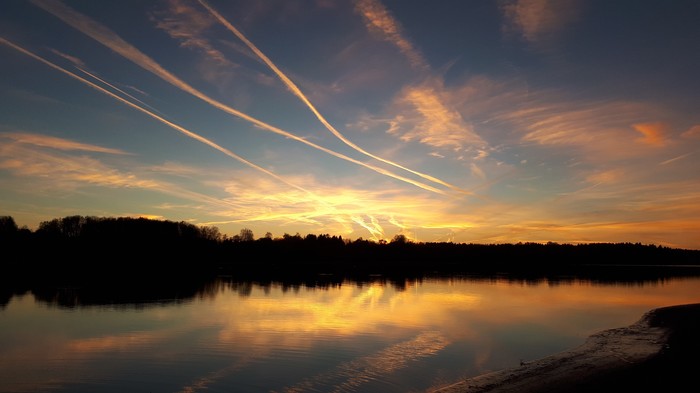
(76, 61)
(177, 169)
(653, 134)
(57, 143)
(538, 22)
(380, 21)
(692, 133)
(64, 171)
(477, 171)
(553, 118)
(155, 116)
(606, 177)
(52, 161)
(550, 119)
(327, 210)
(347, 211)
(425, 115)
(113, 41)
(297, 92)
(187, 25)
(564, 124)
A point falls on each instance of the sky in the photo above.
(481, 121)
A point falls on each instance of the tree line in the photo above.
(132, 247)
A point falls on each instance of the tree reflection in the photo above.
(84, 260)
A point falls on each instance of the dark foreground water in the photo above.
(341, 336)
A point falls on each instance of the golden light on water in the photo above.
(367, 331)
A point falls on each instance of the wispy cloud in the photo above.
(652, 133)
(606, 177)
(477, 171)
(348, 211)
(297, 92)
(692, 133)
(50, 159)
(57, 143)
(608, 212)
(117, 44)
(596, 126)
(187, 25)
(307, 206)
(179, 128)
(554, 119)
(175, 168)
(64, 171)
(379, 20)
(430, 120)
(76, 61)
(538, 22)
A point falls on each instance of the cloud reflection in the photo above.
(269, 323)
(350, 376)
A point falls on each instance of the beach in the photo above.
(658, 353)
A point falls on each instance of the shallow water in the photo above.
(376, 336)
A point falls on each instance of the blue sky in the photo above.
(468, 121)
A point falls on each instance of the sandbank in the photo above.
(659, 353)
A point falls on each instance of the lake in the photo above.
(376, 335)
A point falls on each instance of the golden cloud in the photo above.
(378, 19)
(538, 21)
(654, 134)
(57, 143)
(427, 116)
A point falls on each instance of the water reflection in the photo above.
(350, 376)
(378, 334)
(154, 291)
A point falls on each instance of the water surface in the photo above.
(345, 336)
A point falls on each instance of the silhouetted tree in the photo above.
(246, 235)
(8, 227)
(210, 233)
(399, 239)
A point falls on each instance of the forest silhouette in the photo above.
(87, 245)
(135, 261)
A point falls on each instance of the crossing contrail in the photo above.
(113, 41)
(153, 115)
(116, 88)
(296, 91)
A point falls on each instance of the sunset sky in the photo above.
(479, 121)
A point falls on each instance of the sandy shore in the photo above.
(659, 353)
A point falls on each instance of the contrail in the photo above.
(373, 228)
(153, 115)
(113, 41)
(116, 88)
(296, 91)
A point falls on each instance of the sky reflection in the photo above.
(344, 338)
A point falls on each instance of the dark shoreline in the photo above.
(611, 361)
(674, 369)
